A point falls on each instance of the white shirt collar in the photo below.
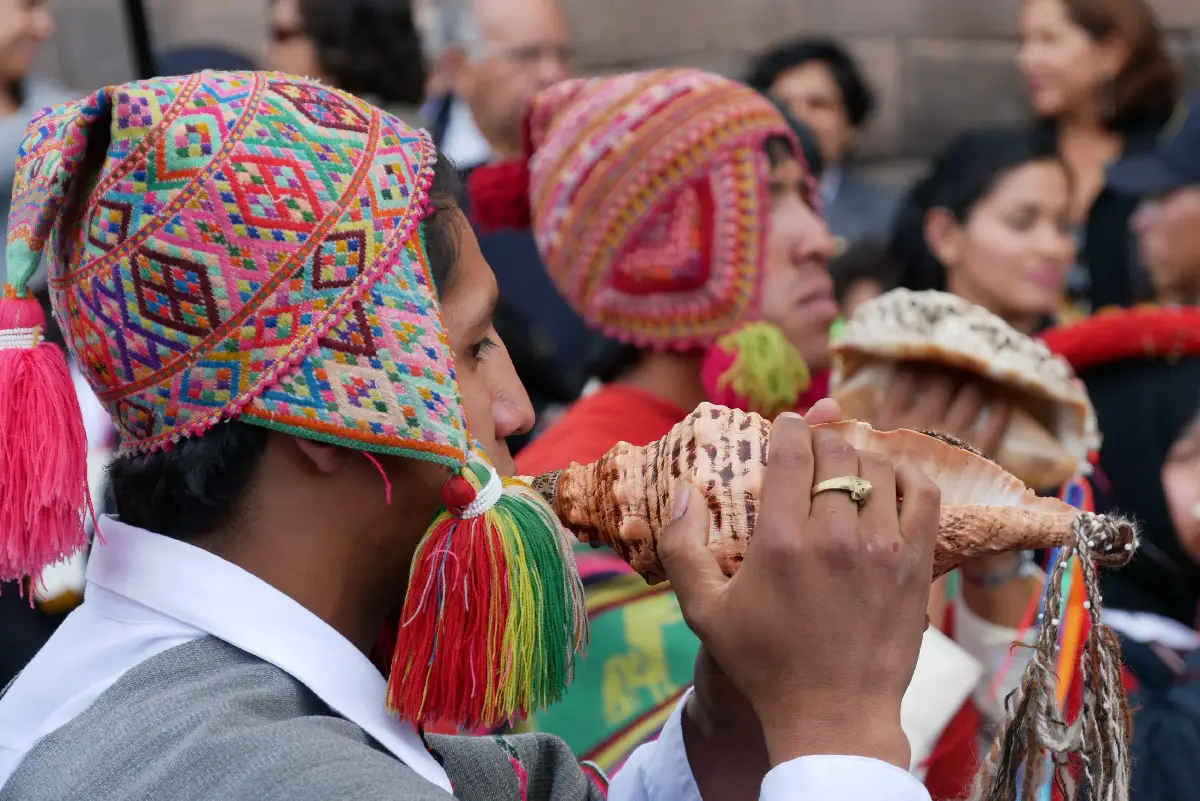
(202, 590)
(463, 143)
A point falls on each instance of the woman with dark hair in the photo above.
(819, 82)
(368, 47)
(1102, 83)
(990, 223)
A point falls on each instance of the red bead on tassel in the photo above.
(43, 447)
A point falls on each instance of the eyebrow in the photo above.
(487, 314)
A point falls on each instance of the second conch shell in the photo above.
(1053, 427)
(624, 499)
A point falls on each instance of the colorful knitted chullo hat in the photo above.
(649, 200)
(248, 246)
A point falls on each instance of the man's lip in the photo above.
(1046, 278)
(821, 302)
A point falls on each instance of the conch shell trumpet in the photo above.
(1053, 426)
(624, 499)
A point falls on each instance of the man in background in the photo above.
(489, 57)
(492, 55)
(822, 86)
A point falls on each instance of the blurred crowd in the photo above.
(1087, 214)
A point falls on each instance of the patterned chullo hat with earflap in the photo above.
(649, 197)
(249, 246)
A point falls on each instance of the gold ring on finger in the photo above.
(858, 488)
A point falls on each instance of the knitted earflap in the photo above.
(755, 368)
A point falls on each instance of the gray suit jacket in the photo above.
(205, 721)
(859, 210)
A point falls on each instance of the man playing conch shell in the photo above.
(268, 284)
(671, 208)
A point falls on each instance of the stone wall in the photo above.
(938, 65)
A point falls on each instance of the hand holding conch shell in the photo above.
(624, 500)
(821, 627)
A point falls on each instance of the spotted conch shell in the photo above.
(1053, 426)
(624, 499)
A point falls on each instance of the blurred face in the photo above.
(290, 49)
(1168, 231)
(1181, 485)
(495, 401)
(1012, 254)
(815, 99)
(797, 291)
(1066, 71)
(24, 24)
(525, 49)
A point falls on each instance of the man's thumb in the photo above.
(692, 569)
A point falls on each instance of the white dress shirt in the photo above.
(146, 593)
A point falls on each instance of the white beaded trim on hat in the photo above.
(487, 497)
(20, 338)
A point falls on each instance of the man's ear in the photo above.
(327, 459)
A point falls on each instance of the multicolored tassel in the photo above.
(44, 499)
(755, 368)
(495, 611)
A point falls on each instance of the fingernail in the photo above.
(681, 502)
(792, 415)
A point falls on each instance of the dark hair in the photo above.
(197, 486)
(1143, 407)
(808, 142)
(368, 47)
(865, 260)
(1148, 85)
(856, 94)
(965, 173)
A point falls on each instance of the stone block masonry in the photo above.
(937, 65)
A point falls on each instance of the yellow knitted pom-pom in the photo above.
(767, 371)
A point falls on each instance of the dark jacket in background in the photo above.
(1109, 250)
(1142, 408)
(1166, 723)
(859, 209)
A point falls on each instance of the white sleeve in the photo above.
(659, 771)
(992, 645)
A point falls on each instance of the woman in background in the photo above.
(1102, 84)
(367, 47)
(991, 224)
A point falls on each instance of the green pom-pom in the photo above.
(767, 371)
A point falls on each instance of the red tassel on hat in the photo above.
(44, 497)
